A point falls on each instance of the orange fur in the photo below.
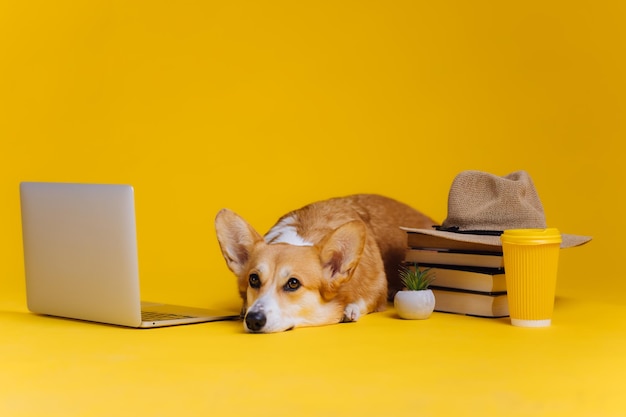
(341, 256)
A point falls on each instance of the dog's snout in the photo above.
(255, 320)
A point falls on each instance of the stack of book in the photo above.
(469, 277)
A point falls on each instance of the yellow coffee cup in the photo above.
(531, 258)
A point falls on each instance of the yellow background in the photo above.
(264, 106)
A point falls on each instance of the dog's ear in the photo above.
(236, 238)
(340, 252)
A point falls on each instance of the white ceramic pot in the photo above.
(414, 304)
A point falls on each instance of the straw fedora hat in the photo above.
(482, 205)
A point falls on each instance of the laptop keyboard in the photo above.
(154, 316)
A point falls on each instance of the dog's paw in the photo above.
(352, 312)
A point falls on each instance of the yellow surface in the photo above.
(264, 106)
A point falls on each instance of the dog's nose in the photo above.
(255, 320)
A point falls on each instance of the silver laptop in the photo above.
(80, 257)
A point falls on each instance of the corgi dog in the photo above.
(328, 262)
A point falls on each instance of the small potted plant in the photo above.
(416, 301)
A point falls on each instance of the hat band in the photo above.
(455, 229)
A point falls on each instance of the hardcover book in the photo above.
(420, 240)
(471, 303)
(470, 279)
(454, 257)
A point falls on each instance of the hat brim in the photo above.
(568, 241)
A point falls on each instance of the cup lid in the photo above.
(531, 236)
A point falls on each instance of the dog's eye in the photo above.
(292, 284)
(255, 281)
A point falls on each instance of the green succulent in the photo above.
(416, 279)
